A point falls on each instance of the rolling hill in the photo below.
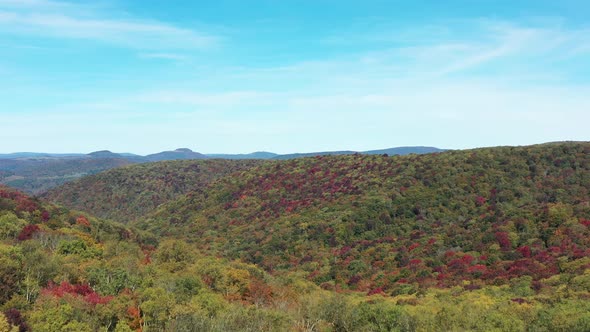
(391, 151)
(127, 193)
(399, 224)
(36, 173)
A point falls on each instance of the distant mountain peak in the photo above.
(104, 154)
(181, 153)
(101, 152)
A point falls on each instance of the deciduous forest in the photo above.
(491, 239)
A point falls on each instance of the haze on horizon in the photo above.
(291, 76)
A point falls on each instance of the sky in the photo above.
(291, 76)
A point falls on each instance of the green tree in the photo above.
(174, 255)
(10, 225)
(5, 326)
(60, 317)
(122, 327)
(11, 273)
(156, 306)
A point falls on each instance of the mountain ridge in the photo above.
(35, 173)
(186, 153)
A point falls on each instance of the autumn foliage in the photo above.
(486, 239)
(83, 291)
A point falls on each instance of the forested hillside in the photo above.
(477, 240)
(396, 225)
(62, 270)
(124, 194)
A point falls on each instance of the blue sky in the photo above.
(291, 76)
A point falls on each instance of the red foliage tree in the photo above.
(45, 215)
(480, 200)
(83, 291)
(503, 240)
(27, 232)
(525, 251)
(83, 221)
(374, 291)
(15, 318)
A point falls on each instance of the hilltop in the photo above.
(178, 154)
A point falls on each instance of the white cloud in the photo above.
(461, 45)
(37, 4)
(63, 20)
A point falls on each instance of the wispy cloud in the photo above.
(462, 45)
(506, 42)
(68, 21)
(37, 4)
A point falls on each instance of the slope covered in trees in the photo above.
(481, 240)
(39, 245)
(124, 194)
(396, 225)
(62, 270)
